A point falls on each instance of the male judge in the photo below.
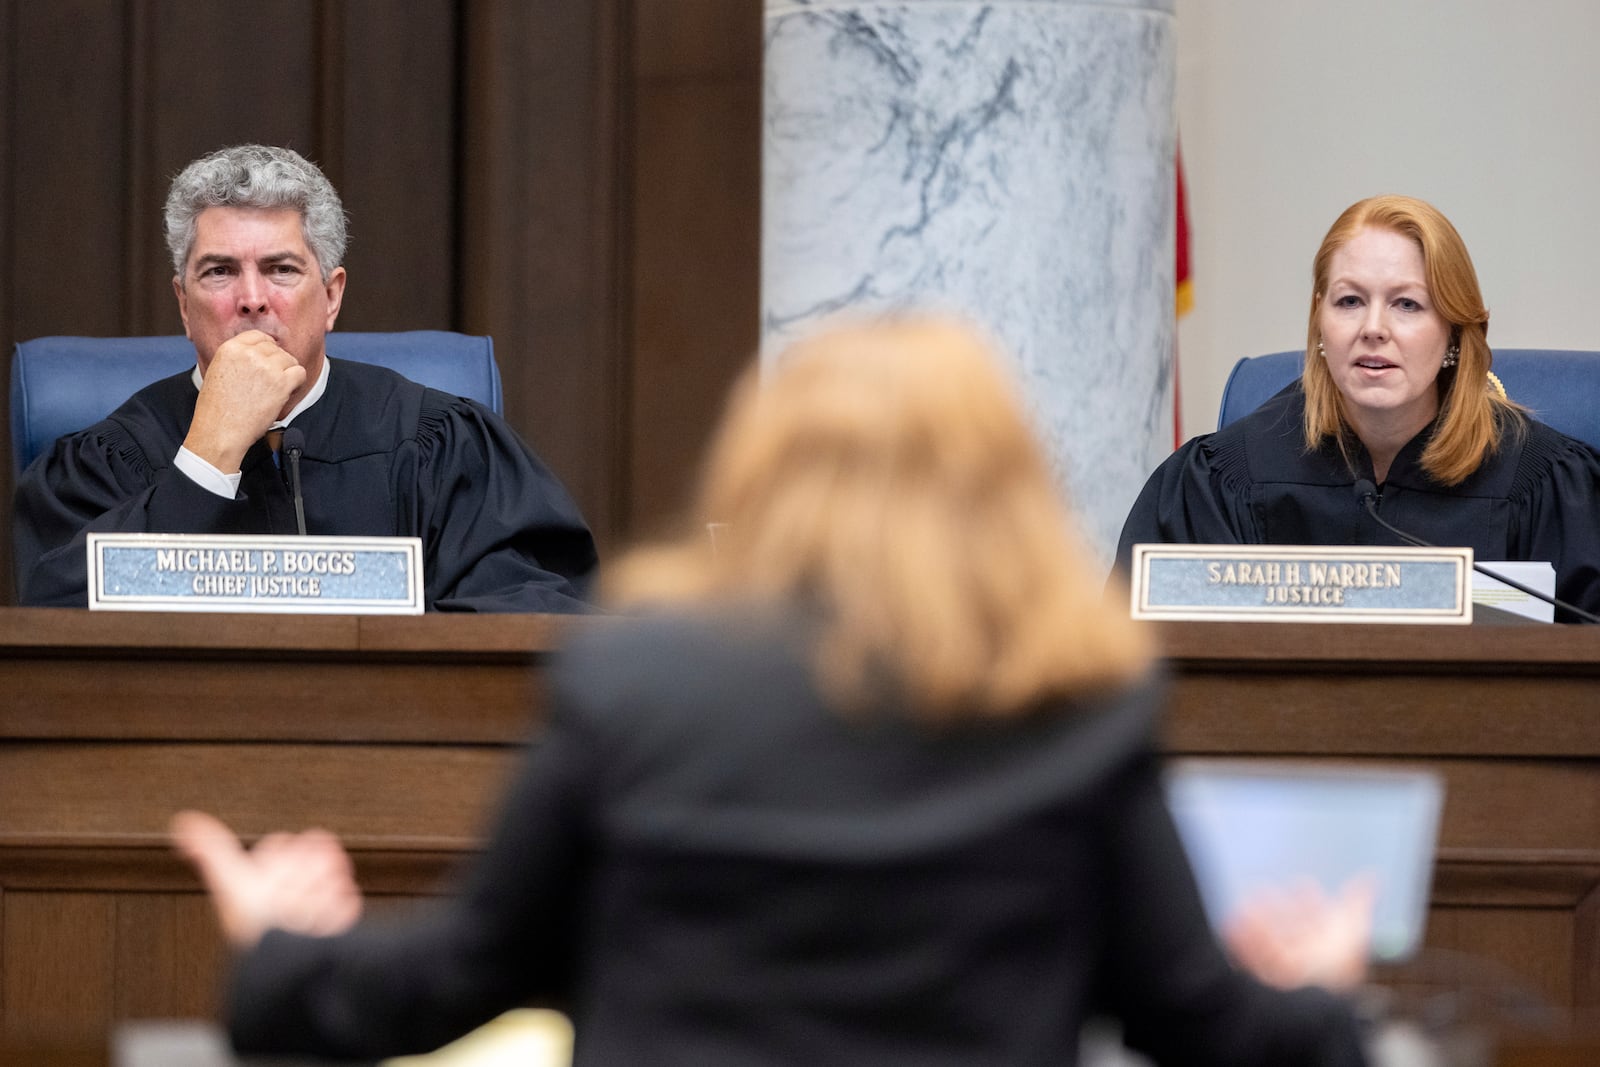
(257, 236)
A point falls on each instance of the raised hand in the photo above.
(1301, 936)
(301, 882)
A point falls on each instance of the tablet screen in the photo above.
(1248, 825)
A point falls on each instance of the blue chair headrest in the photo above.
(62, 384)
(1559, 386)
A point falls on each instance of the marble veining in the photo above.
(1010, 162)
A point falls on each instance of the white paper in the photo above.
(1493, 594)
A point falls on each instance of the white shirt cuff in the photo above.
(206, 476)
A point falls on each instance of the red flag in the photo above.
(1185, 287)
(1185, 296)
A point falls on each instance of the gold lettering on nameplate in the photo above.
(1315, 584)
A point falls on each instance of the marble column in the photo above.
(1010, 161)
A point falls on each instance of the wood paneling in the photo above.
(57, 794)
(69, 150)
(539, 235)
(8, 291)
(210, 75)
(231, 678)
(302, 699)
(168, 954)
(696, 227)
(1509, 965)
(1586, 960)
(57, 964)
(388, 134)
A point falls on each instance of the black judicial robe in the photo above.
(384, 456)
(1253, 482)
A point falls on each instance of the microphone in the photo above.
(1367, 496)
(294, 443)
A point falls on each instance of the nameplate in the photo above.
(1302, 583)
(305, 575)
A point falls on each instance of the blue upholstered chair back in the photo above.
(1560, 387)
(63, 384)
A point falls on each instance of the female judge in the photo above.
(871, 781)
(1396, 391)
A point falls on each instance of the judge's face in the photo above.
(250, 269)
(1382, 339)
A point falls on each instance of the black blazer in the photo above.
(705, 865)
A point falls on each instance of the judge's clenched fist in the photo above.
(247, 387)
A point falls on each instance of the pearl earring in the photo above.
(1452, 356)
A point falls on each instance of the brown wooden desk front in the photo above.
(394, 732)
(1509, 715)
(398, 732)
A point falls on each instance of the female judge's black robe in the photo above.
(1253, 482)
(384, 456)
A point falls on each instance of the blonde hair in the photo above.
(884, 475)
(1470, 411)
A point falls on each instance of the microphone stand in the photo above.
(1367, 494)
(294, 443)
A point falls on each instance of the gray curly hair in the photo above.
(259, 176)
